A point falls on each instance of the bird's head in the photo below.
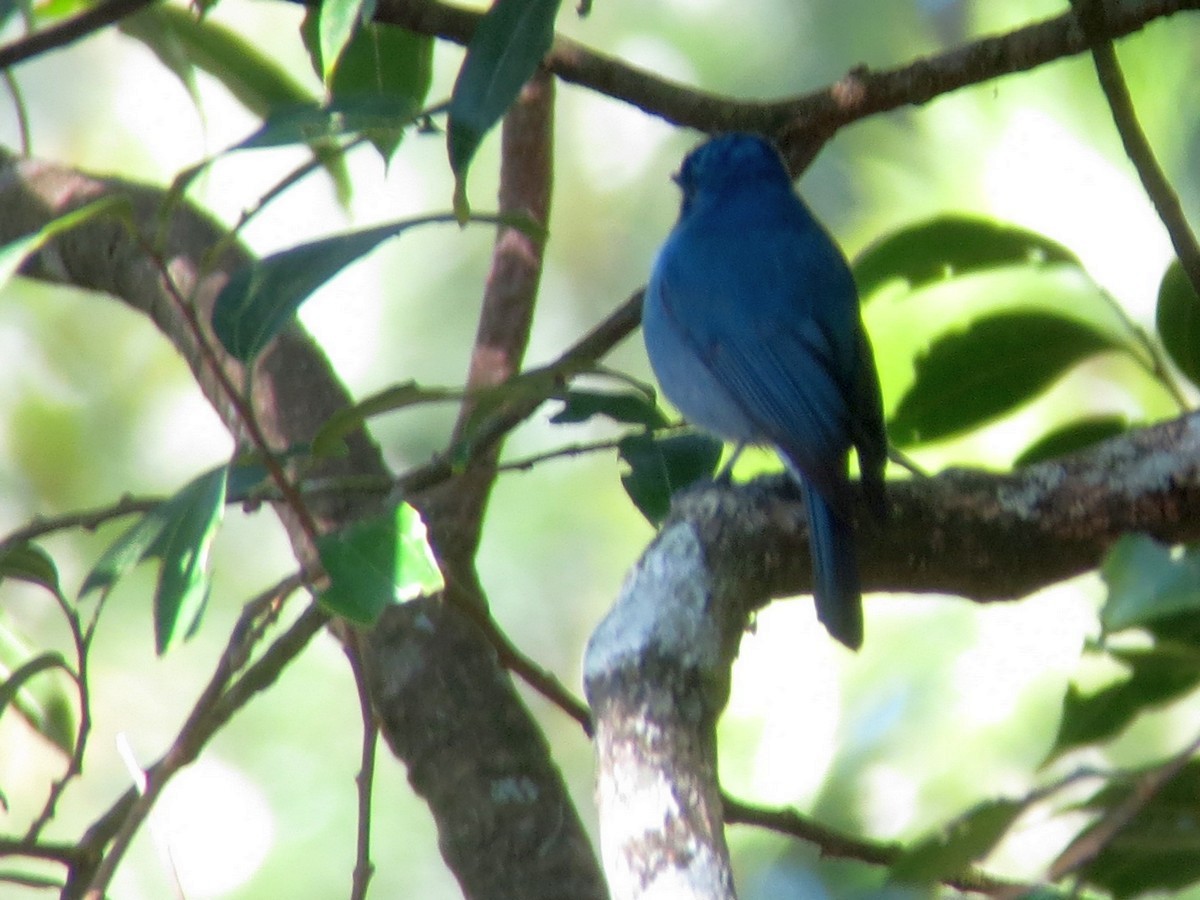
(730, 162)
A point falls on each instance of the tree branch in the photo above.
(802, 123)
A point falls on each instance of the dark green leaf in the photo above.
(1148, 581)
(178, 532)
(377, 562)
(627, 406)
(950, 246)
(1177, 319)
(1156, 675)
(45, 703)
(509, 42)
(262, 298)
(259, 300)
(1159, 849)
(29, 562)
(661, 465)
(964, 841)
(1068, 439)
(969, 378)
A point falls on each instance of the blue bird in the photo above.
(752, 326)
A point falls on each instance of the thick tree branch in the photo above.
(295, 391)
(982, 535)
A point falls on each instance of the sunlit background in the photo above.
(948, 703)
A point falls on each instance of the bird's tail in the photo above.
(835, 569)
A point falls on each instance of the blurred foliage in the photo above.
(1014, 276)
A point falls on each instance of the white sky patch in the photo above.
(787, 676)
(1040, 174)
(630, 137)
(217, 826)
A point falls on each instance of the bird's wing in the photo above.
(769, 330)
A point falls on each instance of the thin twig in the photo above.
(363, 867)
(245, 413)
(81, 642)
(1094, 21)
(217, 703)
(87, 519)
(59, 35)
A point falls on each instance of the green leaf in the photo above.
(45, 703)
(1177, 318)
(1147, 581)
(381, 63)
(29, 562)
(310, 122)
(337, 21)
(179, 533)
(260, 299)
(661, 465)
(174, 33)
(184, 43)
(377, 562)
(964, 841)
(952, 246)
(967, 379)
(508, 44)
(15, 252)
(1158, 850)
(1071, 438)
(1156, 676)
(629, 407)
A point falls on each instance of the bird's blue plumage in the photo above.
(752, 326)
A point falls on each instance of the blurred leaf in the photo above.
(968, 378)
(1159, 849)
(1177, 318)
(509, 42)
(174, 33)
(628, 407)
(661, 465)
(45, 703)
(377, 562)
(964, 841)
(337, 22)
(385, 64)
(1070, 438)
(328, 441)
(310, 122)
(178, 532)
(14, 253)
(951, 246)
(184, 42)
(1156, 675)
(29, 562)
(1147, 581)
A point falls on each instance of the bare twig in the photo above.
(59, 35)
(1094, 20)
(216, 704)
(363, 867)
